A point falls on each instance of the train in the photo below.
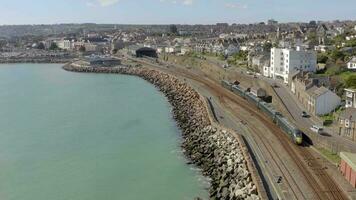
(293, 132)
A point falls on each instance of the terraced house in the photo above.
(352, 64)
(347, 124)
(350, 96)
(313, 93)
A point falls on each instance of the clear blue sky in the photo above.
(172, 11)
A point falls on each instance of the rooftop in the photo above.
(317, 91)
(349, 113)
(349, 158)
(350, 90)
(353, 59)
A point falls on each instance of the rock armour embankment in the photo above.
(212, 149)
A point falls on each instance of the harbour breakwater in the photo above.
(213, 149)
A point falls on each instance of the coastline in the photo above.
(215, 150)
(36, 60)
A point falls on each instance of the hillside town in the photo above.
(309, 67)
(316, 60)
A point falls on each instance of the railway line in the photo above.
(322, 185)
(286, 173)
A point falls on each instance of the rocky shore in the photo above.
(209, 147)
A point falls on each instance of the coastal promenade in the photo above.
(215, 150)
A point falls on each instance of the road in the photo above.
(295, 110)
(300, 173)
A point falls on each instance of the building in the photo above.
(104, 62)
(64, 44)
(348, 167)
(350, 95)
(232, 49)
(288, 61)
(313, 94)
(139, 51)
(258, 92)
(321, 101)
(98, 61)
(90, 47)
(261, 62)
(352, 64)
(324, 48)
(347, 124)
(272, 22)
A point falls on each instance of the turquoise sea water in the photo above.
(71, 136)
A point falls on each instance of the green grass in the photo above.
(334, 158)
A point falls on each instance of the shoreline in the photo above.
(36, 61)
(214, 150)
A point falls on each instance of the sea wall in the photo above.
(213, 149)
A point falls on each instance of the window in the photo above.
(347, 123)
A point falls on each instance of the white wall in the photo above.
(288, 61)
(351, 65)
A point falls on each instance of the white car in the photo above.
(316, 129)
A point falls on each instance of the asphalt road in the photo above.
(295, 109)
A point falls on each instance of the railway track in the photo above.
(321, 183)
(325, 188)
(286, 174)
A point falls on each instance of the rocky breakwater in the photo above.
(209, 147)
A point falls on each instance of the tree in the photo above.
(53, 46)
(173, 29)
(82, 49)
(337, 55)
(267, 46)
(322, 58)
(41, 46)
(351, 81)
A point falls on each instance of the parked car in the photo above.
(316, 129)
(305, 114)
(275, 85)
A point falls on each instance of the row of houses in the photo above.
(347, 119)
(313, 93)
(97, 44)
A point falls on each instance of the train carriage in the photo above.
(282, 122)
(252, 98)
(268, 110)
(238, 90)
(227, 85)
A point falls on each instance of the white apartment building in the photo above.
(352, 64)
(350, 98)
(64, 44)
(288, 61)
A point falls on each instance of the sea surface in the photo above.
(72, 136)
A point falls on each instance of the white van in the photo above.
(316, 129)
